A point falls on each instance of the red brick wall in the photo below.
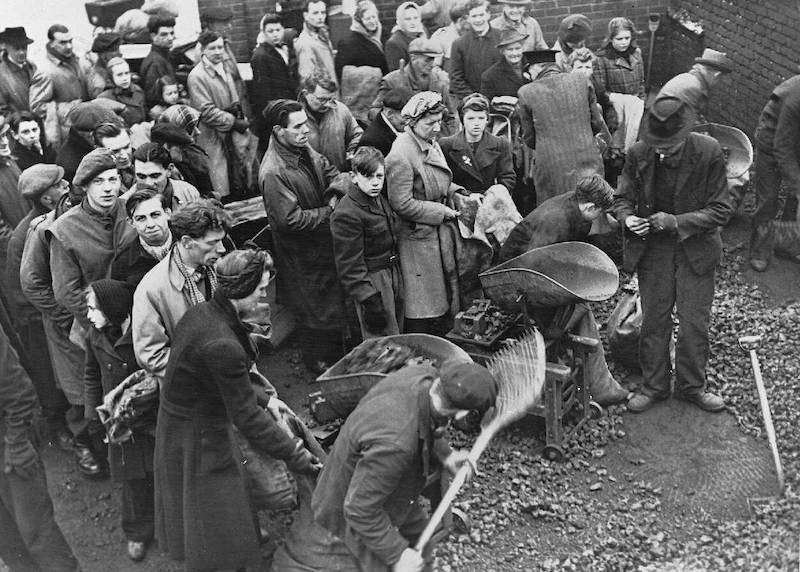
(761, 39)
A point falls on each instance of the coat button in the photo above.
(125, 365)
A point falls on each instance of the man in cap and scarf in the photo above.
(300, 188)
(184, 278)
(367, 495)
(672, 199)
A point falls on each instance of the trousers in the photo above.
(667, 281)
(138, 506)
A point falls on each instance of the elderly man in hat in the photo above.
(672, 199)
(16, 72)
(777, 164)
(420, 74)
(693, 87)
(408, 28)
(105, 48)
(508, 75)
(389, 123)
(367, 495)
(513, 17)
(43, 186)
(560, 118)
(474, 52)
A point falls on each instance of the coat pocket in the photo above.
(216, 449)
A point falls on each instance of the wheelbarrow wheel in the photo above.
(554, 453)
(595, 410)
(461, 521)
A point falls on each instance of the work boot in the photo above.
(705, 400)
(761, 245)
(641, 402)
(88, 464)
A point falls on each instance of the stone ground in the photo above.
(634, 492)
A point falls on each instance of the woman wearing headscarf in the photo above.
(177, 129)
(420, 187)
(203, 514)
(109, 361)
(362, 46)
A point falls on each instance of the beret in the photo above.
(94, 163)
(106, 42)
(35, 180)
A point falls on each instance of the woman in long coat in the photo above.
(109, 360)
(203, 514)
(420, 186)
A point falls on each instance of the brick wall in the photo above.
(549, 13)
(760, 38)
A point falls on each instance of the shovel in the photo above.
(751, 344)
(653, 22)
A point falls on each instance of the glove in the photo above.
(240, 125)
(21, 458)
(663, 222)
(374, 315)
(303, 462)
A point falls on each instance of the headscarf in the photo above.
(239, 272)
(182, 116)
(422, 103)
(357, 27)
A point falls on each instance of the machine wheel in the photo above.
(461, 521)
(595, 410)
(554, 453)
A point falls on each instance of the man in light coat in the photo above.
(333, 131)
(16, 72)
(224, 125)
(513, 17)
(313, 46)
(182, 279)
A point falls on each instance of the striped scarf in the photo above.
(195, 295)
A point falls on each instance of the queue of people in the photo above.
(117, 254)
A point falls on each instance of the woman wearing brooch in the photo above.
(478, 159)
(420, 187)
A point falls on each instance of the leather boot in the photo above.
(88, 464)
(761, 244)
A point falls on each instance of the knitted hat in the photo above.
(35, 180)
(468, 385)
(574, 29)
(94, 163)
(114, 299)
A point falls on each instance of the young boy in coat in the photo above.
(365, 247)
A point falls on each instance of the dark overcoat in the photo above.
(107, 365)
(378, 466)
(558, 219)
(379, 135)
(703, 201)
(297, 208)
(355, 49)
(501, 80)
(203, 513)
(132, 263)
(273, 78)
(491, 163)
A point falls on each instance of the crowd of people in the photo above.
(393, 168)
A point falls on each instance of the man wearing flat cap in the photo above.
(367, 495)
(16, 72)
(105, 47)
(693, 87)
(514, 18)
(672, 199)
(418, 75)
(43, 186)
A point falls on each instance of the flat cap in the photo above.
(94, 163)
(35, 180)
(468, 385)
(89, 114)
(106, 42)
(425, 47)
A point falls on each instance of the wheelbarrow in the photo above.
(552, 279)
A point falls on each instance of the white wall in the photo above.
(38, 15)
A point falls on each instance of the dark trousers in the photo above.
(138, 509)
(767, 184)
(51, 398)
(30, 539)
(666, 280)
